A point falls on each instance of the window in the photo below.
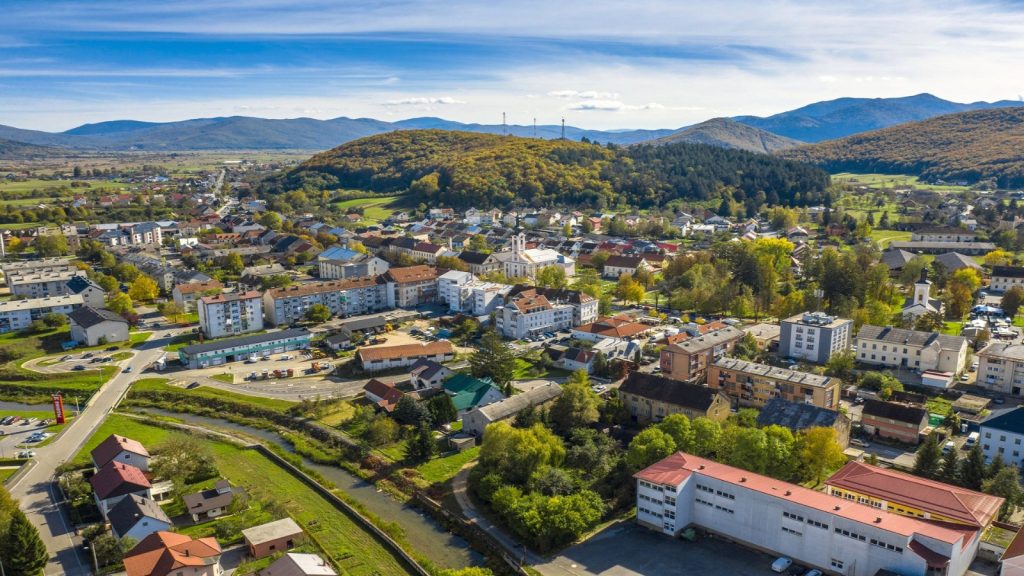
(837, 564)
(792, 516)
(791, 531)
(817, 524)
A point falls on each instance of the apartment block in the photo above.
(348, 297)
(1001, 368)
(688, 359)
(19, 314)
(230, 314)
(41, 283)
(814, 337)
(753, 384)
(911, 349)
(411, 286)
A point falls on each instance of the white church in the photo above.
(523, 262)
(921, 302)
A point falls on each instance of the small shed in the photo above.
(276, 536)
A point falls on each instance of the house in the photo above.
(894, 420)
(895, 260)
(115, 481)
(276, 536)
(210, 503)
(900, 348)
(798, 416)
(1002, 434)
(620, 327)
(93, 326)
(766, 335)
(136, 517)
(943, 234)
(651, 398)
(814, 336)
(999, 367)
(753, 384)
(476, 420)
(921, 302)
(617, 265)
(186, 295)
(383, 395)
(293, 564)
(688, 360)
(428, 374)
(91, 293)
(1006, 277)
(782, 519)
(171, 554)
(480, 263)
(377, 358)
(913, 496)
(574, 359)
(468, 392)
(120, 449)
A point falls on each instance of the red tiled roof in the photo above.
(388, 394)
(678, 467)
(529, 303)
(199, 286)
(614, 327)
(932, 559)
(1016, 547)
(117, 479)
(968, 506)
(114, 445)
(405, 350)
(419, 273)
(161, 553)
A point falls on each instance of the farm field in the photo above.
(893, 181)
(375, 209)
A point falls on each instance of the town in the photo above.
(677, 381)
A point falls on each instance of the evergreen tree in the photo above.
(993, 469)
(495, 360)
(972, 469)
(23, 552)
(950, 471)
(421, 446)
(928, 458)
(1005, 484)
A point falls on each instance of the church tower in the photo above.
(922, 289)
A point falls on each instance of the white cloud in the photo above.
(424, 101)
(586, 94)
(612, 106)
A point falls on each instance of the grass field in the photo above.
(375, 209)
(161, 385)
(886, 237)
(441, 470)
(6, 473)
(23, 385)
(354, 549)
(882, 181)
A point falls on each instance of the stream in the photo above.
(422, 532)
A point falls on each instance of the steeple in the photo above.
(922, 288)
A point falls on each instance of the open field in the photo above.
(441, 470)
(161, 385)
(354, 549)
(375, 209)
(886, 237)
(882, 181)
(24, 385)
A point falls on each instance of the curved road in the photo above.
(35, 490)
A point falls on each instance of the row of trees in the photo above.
(996, 478)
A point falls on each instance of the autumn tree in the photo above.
(318, 313)
(577, 406)
(1012, 300)
(648, 447)
(120, 303)
(551, 277)
(143, 289)
(819, 452)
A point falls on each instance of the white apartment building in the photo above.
(1003, 435)
(348, 297)
(911, 349)
(450, 284)
(1001, 368)
(1006, 277)
(19, 314)
(814, 336)
(36, 265)
(528, 314)
(230, 314)
(827, 532)
(40, 283)
(337, 262)
(943, 234)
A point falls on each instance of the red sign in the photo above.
(58, 408)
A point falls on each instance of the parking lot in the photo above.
(19, 437)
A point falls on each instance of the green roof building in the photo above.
(468, 392)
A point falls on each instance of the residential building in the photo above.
(19, 314)
(411, 286)
(1001, 368)
(41, 283)
(377, 358)
(477, 298)
(573, 359)
(428, 374)
(416, 250)
(928, 247)
(293, 564)
(475, 421)
(953, 261)
(895, 260)
(766, 335)
(905, 422)
(347, 297)
(450, 284)
(276, 536)
(651, 398)
(230, 314)
(911, 349)
(468, 392)
(35, 265)
(688, 359)
(1006, 277)
(136, 517)
(115, 448)
(798, 416)
(620, 327)
(783, 519)
(91, 293)
(753, 384)
(337, 262)
(814, 337)
(1011, 563)
(921, 302)
(943, 234)
(208, 504)
(480, 263)
(529, 311)
(239, 349)
(913, 496)
(91, 326)
(172, 554)
(1003, 435)
(617, 265)
(187, 295)
(382, 395)
(115, 481)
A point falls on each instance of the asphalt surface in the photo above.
(36, 489)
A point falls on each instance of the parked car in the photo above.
(859, 443)
(26, 454)
(65, 357)
(87, 355)
(814, 572)
(192, 385)
(949, 446)
(78, 367)
(113, 349)
(999, 400)
(127, 369)
(781, 564)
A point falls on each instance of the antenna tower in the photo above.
(563, 128)
(504, 127)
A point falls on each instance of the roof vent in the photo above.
(789, 492)
(701, 467)
(744, 479)
(836, 508)
(878, 520)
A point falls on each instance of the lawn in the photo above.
(375, 209)
(527, 370)
(886, 237)
(951, 327)
(226, 378)
(6, 473)
(118, 356)
(161, 385)
(441, 470)
(939, 405)
(23, 385)
(882, 181)
(356, 551)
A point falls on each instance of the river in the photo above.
(422, 532)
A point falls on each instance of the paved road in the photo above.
(35, 490)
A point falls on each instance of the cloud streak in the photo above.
(424, 101)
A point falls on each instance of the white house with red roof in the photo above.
(167, 553)
(120, 449)
(116, 481)
(813, 528)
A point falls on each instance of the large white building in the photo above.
(814, 336)
(348, 297)
(811, 527)
(19, 314)
(40, 283)
(911, 349)
(523, 262)
(230, 314)
(531, 311)
(1003, 435)
(337, 262)
(450, 284)
(1001, 368)
(1006, 277)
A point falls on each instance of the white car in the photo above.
(781, 564)
(26, 454)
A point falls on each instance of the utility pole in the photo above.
(504, 127)
(563, 128)
(535, 127)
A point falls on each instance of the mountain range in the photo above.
(812, 123)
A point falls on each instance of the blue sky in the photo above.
(598, 63)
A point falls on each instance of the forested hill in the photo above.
(461, 169)
(970, 146)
